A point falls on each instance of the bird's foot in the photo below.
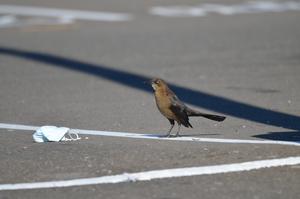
(170, 136)
(167, 136)
(177, 135)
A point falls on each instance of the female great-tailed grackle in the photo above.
(173, 109)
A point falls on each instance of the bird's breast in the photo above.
(163, 104)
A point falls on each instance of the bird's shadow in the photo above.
(290, 136)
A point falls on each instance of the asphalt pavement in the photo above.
(89, 75)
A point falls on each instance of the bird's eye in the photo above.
(157, 81)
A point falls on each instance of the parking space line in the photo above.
(154, 136)
(223, 9)
(64, 13)
(18, 127)
(158, 174)
(194, 139)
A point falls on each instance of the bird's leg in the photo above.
(177, 134)
(172, 125)
(169, 132)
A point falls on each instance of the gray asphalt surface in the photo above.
(88, 75)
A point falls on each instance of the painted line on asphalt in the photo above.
(64, 13)
(153, 136)
(7, 21)
(241, 8)
(157, 174)
(18, 127)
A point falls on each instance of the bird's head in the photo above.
(157, 83)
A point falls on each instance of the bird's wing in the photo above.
(176, 102)
(178, 108)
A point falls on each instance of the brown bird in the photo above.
(173, 109)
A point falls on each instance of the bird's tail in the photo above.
(218, 118)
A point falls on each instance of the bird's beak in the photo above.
(148, 82)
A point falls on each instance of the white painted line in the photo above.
(154, 136)
(18, 127)
(6, 20)
(14, 21)
(242, 8)
(63, 13)
(158, 174)
(194, 139)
